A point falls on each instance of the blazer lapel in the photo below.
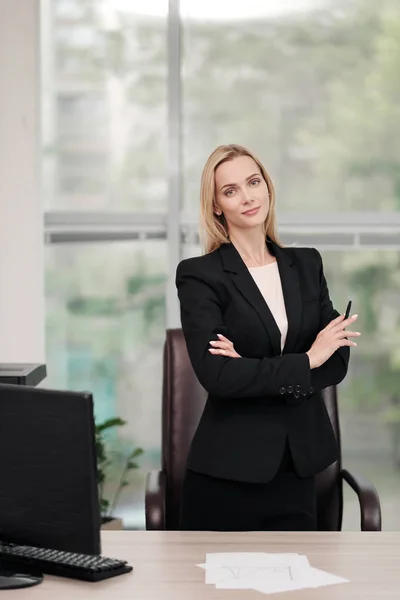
(244, 282)
(291, 294)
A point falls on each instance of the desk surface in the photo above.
(165, 566)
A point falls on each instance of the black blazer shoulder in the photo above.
(210, 268)
(227, 258)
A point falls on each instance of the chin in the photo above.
(254, 225)
(256, 221)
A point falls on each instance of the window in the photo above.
(107, 92)
(130, 110)
(105, 331)
(306, 85)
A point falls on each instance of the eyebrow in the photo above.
(233, 184)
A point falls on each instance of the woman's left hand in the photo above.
(223, 347)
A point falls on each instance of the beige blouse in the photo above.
(269, 283)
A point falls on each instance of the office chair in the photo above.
(179, 421)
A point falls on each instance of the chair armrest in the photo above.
(370, 506)
(155, 501)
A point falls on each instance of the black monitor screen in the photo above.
(48, 486)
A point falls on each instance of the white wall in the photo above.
(21, 222)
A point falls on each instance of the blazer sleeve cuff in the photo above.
(300, 387)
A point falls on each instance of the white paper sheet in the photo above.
(266, 573)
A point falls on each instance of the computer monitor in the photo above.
(22, 373)
(48, 483)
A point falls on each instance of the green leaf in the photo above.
(104, 504)
(132, 465)
(136, 452)
(113, 422)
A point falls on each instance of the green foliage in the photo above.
(356, 132)
(104, 462)
(392, 415)
(93, 306)
(371, 279)
(137, 283)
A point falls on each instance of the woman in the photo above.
(263, 340)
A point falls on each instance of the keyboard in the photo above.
(86, 567)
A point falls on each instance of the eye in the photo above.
(255, 181)
(228, 193)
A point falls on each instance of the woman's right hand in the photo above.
(330, 339)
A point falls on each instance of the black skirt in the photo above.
(287, 503)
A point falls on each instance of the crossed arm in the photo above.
(234, 376)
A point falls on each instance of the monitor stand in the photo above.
(14, 577)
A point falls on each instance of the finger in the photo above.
(346, 342)
(224, 345)
(349, 334)
(345, 323)
(223, 338)
(222, 352)
(335, 322)
(350, 321)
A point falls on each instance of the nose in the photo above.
(247, 197)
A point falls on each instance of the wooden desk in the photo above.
(164, 566)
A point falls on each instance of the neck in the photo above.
(251, 247)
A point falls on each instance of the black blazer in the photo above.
(258, 401)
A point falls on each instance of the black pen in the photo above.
(346, 316)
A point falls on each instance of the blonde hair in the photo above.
(213, 228)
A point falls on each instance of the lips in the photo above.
(251, 212)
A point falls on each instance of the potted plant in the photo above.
(105, 461)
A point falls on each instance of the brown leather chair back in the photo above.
(182, 405)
